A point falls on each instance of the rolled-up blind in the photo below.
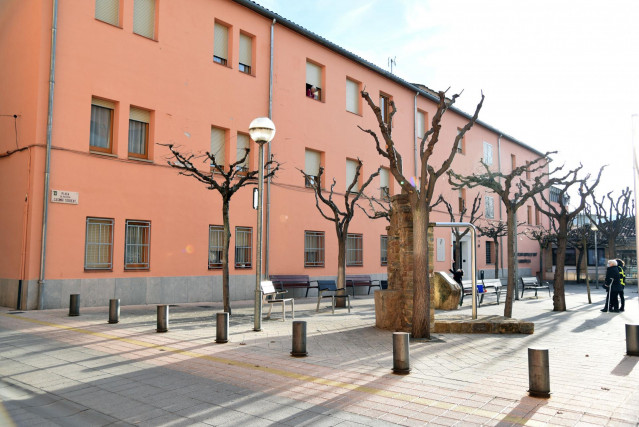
(351, 168)
(312, 162)
(218, 142)
(108, 11)
(246, 50)
(144, 18)
(221, 41)
(313, 75)
(352, 96)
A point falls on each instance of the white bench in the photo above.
(490, 286)
(531, 283)
(270, 296)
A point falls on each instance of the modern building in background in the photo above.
(84, 112)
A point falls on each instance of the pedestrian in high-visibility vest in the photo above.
(622, 278)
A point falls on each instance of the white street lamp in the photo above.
(262, 131)
(594, 228)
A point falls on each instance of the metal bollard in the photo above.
(222, 328)
(74, 305)
(538, 373)
(114, 310)
(632, 340)
(163, 318)
(299, 339)
(401, 353)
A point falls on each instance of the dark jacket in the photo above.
(612, 277)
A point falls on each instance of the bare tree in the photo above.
(494, 230)
(545, 238)
(615, 219)
(459, 234)
(378, 208)
(420, 195)
(513, 194)
(561, 213)
(340, 217)
(226, 181)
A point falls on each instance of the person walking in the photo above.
(613, 286)
(622, 277)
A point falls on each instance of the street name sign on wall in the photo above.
(68, 197)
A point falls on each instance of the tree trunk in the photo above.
(341, 269)
(612, 247)
(559, 297)
(421, 280)
(580, 258)
(225, 257)
(512, 280)
(584, 244)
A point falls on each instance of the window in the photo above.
(243, 142)
(243, 247)
(98, 249)
(488, 154)
(354, 250)
(351, 170)
(529, 213)
(312, 163)
(218, 146)
(314, 81)
(527, 169)
(137, 245)
(385, 106)
(384, 188)
(108, 11)
(144, 18)
(537, 216)
(461, 145)
(383, 249)
(489, 252)
(352, 96)
(139, 133)
(490, 207)
(420, 124)
(216, 246)
(513, 161)
(313, 249)
(555, 194)
(246, 53)
(462, 199)
(101, 138)
(221, 44)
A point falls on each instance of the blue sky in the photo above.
(558, 75)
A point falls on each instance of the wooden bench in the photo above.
(325, 286)
(292, 281)
(270, 297)
(489, 287)
(361, 280)
(532, 283)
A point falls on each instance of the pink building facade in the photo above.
(130, 75)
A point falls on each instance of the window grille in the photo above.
(383, 246)
(489, 252)
(313, 249)
(243, 247)
(216, 246)
(354, 250)
(490, 207)
(137, 246)
(98, 250)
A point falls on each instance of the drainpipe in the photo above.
(267, 241)
(501, 218)
(47, 165)
(416, 148)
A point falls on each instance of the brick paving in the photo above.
(67, 371)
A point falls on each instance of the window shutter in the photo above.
(140, 115)
(242, 145)
(108, 11)
(383, 177)
(144, 18)
(351, 168)
(246, 50)
(221, 41)
(313, 75)
(312, 162)
(218, 143)
(103, 103)
(352, 96)
(421, 124)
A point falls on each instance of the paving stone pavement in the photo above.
(68, 371)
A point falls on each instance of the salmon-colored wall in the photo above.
(176, 79)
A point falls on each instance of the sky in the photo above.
(557, 75)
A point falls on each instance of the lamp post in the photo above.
(594, 228)
(262, 131)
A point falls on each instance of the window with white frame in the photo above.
(489, 204)
(246, 54)
(216, 246)
(385, 106)
(461, 196)
(243, 144)
(101, 136)
(461, 144)
(243, 247)
(137, 245)
(383, 249)
(218, 146)
(312, 163)
(108, 11)
(352, 96)
(384, 184)
(314, 81)
(420, 124)
(354, 250)
(313, 249)
(144, 18)
(98, 249)
(221, 44)
(351, 170)
(139, 120)
(488, 153)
